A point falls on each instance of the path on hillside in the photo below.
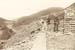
(40, 42)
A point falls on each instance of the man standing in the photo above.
(56, 24)
(48, 20)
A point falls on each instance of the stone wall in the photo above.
(69, 20)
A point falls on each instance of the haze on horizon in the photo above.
(12, 9)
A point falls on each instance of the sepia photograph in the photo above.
(37, 24)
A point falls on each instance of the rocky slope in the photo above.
(5, 32)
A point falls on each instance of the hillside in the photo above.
(34, 17)
(5, 32)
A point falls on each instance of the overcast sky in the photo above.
(12, 9)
